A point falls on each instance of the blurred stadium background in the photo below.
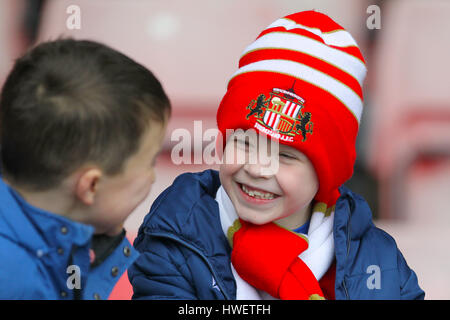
(403, 164)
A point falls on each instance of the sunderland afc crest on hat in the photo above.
(282, 113)
(328, 70)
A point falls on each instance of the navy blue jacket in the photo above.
(185, 254)
(43, 255)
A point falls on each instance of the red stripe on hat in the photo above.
(254, 83)
(315, 19)
(331, 145)
(301, 32)
(305, 59)
(354, 51)
(328, 138)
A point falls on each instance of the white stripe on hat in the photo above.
(276, 121)
(283, 40)
(319, 79)
(289, 109)
(296, 112)
(339, 38)
(266, 116)
(272, 116)
(285, 106)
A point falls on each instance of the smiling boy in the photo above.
(284, 195)
(287, 231)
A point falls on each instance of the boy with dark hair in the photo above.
(255, 230)
(81, 125)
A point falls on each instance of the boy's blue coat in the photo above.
(37, 247)
(185, 255)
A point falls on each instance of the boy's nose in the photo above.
(258, 170)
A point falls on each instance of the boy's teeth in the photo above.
(257, 194)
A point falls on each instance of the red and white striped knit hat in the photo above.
(301, 82)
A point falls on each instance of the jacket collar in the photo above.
(173, 211)
(37, 229)
(352, 214)
(352, 219)
(188, 213)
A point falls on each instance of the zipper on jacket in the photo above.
(348, 252)
(211, 269)
(345, 289)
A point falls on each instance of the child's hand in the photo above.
(266, 256)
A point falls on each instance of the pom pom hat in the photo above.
(300, 82)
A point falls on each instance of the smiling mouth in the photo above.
(257, 193)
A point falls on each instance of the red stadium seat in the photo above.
(410, 111)
(12, 34)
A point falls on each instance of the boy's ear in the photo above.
(87, 184)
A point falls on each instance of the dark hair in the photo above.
(71, 102)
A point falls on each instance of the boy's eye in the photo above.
(239, 139)
(243, 142)
(287, 156)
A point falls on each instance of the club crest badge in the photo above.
(280, 115)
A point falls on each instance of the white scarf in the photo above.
(318, 257)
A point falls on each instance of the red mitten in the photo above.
(266, 256)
